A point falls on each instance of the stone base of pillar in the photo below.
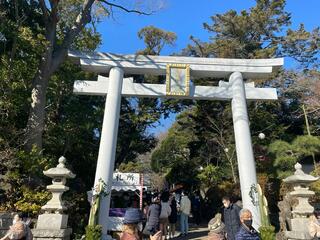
(52, 221)
(299, 224)
(299, 227)
(51, 234)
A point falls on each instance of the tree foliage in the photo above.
(288, 154)
(155, 39)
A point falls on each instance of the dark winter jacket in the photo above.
(173, 216)
(246, 234)
(153, 217)
(231, 219)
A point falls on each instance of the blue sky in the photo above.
(185, 18)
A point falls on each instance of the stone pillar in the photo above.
(246, 163)
(108, 141)
(53, 223)
(303, 210)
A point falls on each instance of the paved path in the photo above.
(195, 233)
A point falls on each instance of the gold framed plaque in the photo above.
(178, 79)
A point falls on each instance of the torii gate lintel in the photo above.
(130, 89)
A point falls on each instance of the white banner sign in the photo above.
(125, 179)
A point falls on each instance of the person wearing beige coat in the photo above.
(314, 225)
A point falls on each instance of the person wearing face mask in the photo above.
(230, 217)
(314, 225)
(17, 230)
(132, 226)
(246, 231)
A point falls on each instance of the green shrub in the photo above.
(93, 232)
(267, 233)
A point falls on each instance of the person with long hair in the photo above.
(173, 217)
(165, 213)
(17, 231)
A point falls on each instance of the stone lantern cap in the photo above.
(300, 177)
(60, 170)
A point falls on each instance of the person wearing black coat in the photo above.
(230, 217)
(173, 217)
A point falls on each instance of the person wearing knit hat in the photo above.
(132, 226)
(153, 217)
(216, 228)
(132, 216)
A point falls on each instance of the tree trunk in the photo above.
(36, 119)
(50, 62)
(51, 59)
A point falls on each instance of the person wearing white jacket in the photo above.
(185, 208)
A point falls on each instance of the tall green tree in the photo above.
(61, 24)
(288, 154)
(263, 31)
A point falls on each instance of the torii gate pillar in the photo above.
(246, 163)
(108, 142)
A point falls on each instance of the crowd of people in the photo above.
(166, 210)
(164, 213)
(158, 221)
(160, 217)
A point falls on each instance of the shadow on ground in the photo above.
(200, 233)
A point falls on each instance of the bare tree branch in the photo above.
(82, 19)
(199, 46)
(125, 9)
(310, 111)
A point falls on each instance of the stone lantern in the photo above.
(298, 224)
(53, 223)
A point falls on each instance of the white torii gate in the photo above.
(178, 70)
